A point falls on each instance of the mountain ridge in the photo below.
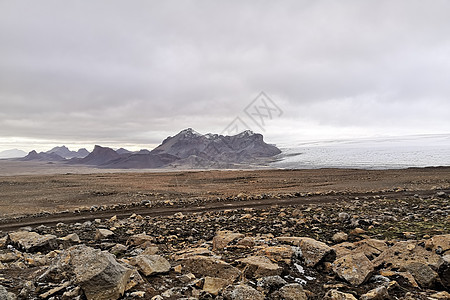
(187, 149)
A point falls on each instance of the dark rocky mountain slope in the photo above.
(187, 149)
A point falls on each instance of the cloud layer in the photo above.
(134, 72)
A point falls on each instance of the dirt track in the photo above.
(33, 200)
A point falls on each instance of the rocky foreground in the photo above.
(371, 248)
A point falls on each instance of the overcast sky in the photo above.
(132, 72)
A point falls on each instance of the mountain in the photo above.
(187, 149)
(123, 151)
(141, 161)
(82, 152)
(42, 156)
(142, 151)
(12, 153)
(244, 147)
(99, 156)
(63, 151)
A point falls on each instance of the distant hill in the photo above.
(12, 153)
(123, 151)
(42, 156)
(63, 151)
(99, 156)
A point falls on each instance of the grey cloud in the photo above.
(134, 71)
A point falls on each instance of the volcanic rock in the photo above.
(340, 237)
(313, 251)
(5, 295)
(404, 253)
(379, 293)
(260, 266)
(97, 272)
(202, 266)
(423, 274)
(293, 291)
(354, 268)
(214, 285)
(223, 238)
(336, 295)
(277, 253)
(444, 270)
(103, 234)
(32, 242)
(370, 247)
(271, 283)
(438, 243)
(151, 264)
(242, 291)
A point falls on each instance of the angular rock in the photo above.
(438, 243)
(103, 234)
(405, 276)
(151, 250)
(343, 216)
(313, 251)
(8, 257)
(32, 241)
(293, 291)
(202, 266)
(139, 239)
(441, 295)
(151, 264)
(214, 285)
(135, 279)
(340, 237)
(404, 253)
(3, 241)
(246, 242)
(271, 283)
(183, 254)
(71, 294)
(224, 238)
(73, 238)
(379, 293)
(118, 249)
(277, 253)
(370, 247)
(423, 274)
(336, 295)
(97, 272)
(260, 266)
(354, 268)
(5, 295)
(241, 292)
(55, 290)
(27, 290)
(35, 260)
(444, 271)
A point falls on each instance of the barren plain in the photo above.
(241, 234)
